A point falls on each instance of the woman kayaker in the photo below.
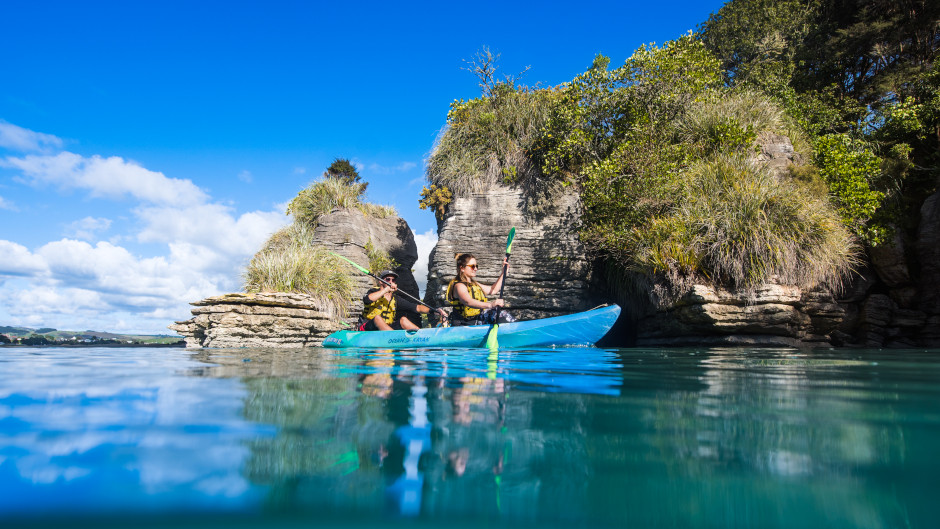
(381, 307)
(468, 297)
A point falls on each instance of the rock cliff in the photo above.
(292, 320)
(772, 315)
(895, 300)
(549, 273)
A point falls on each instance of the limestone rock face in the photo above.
(293, 320)
(271, 320)
(347, 231)
(896, 303)
(549, 274)
(772, 315)
(928, 255)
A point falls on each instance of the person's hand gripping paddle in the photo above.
(491, 342)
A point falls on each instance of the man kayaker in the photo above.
(382, 308)
(468, 297)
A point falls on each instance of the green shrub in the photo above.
(849, 169)
(750, 227)
(735, 225)
(486, 139)
(379, 260)
(437, 199)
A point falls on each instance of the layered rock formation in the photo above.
(549, 273)
(271, 320)
(347, 231)
(895, 302)
(771, 315)
(291, 320)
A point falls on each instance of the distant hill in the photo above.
(88, 336)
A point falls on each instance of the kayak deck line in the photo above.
(581, 328)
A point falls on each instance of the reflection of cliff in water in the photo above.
(640, 438)
(393, 440)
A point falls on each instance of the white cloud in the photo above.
(211, 225)
(425, 243)
(6, 204)
(25, 140)
(111, 177)
(87, 228)
(300, 170)
(245, 176)
(77, 284)
(16, 260)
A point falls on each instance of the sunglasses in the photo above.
(390, 279)
(473, 266)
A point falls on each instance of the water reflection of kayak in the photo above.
(582, 328)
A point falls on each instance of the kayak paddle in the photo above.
(370, 274)
(491, 337)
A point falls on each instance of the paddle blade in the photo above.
(512, 235)
(361, 269)
(491, 338)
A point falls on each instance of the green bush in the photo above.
(849, 168)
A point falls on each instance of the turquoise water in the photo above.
(118, 437)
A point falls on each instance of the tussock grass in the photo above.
(741, 110)
(740, 226)
(289, 262)
(323, 196)
(486, 140)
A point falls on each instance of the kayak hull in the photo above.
(582, 328)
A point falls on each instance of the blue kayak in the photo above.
(582, 328)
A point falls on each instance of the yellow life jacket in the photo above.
(476, 292)
(380, 307)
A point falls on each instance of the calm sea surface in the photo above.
(137, 437)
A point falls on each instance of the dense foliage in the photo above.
(662, 153)
(861, 79)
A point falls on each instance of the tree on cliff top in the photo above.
(343, 170)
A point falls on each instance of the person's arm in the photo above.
(426, 310)
(376, 293)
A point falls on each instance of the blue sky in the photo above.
(147, 149)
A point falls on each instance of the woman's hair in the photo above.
(462, 260)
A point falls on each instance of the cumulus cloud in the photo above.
(24, 140)
(245, 176)
(203, 224)
(111, 177)
(87, 228)
(16, 260)
(6, 204)
(425, 243)
(76, 283)
(107, 284)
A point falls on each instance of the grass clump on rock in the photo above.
(291, 261)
